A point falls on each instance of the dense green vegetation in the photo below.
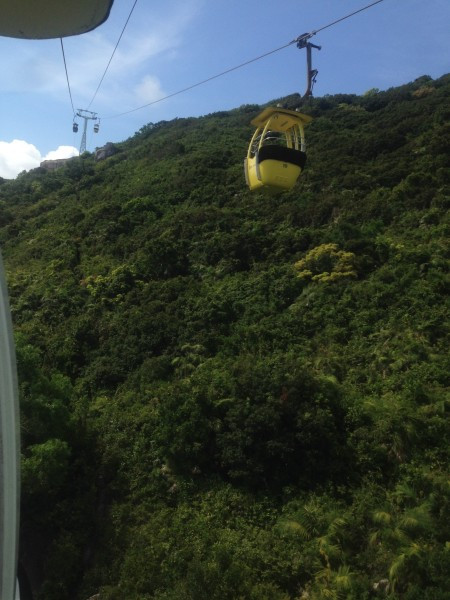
(229, 395)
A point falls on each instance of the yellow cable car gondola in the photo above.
(276, 153)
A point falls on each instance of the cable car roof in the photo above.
(45, 19)
(284, 118)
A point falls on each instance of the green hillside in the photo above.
(236, 396)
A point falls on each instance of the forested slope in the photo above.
(229, 395)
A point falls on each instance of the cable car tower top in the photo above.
(87, 115)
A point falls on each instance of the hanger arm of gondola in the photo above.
(311, 74)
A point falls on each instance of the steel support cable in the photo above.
(112, 55)
(190, 87)
(337, 21)
(67, 75)
(304, 36)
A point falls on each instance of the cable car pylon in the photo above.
(87, 115)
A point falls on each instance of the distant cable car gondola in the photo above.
(276, 153)
(75, 127)
(96, 127)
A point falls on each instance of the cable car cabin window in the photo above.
(274, 138)
(273, 147)
(271, 138)
(254, 148)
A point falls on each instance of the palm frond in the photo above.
(403, 491)
(417, 518)
(396, 566)
(337, 526)
(375, 538)
(343, 578)
(297, 528)
(382, 517)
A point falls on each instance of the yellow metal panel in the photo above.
(281, 119)
(271, 174)
(43, 19)
(251, 174)
(275, 173)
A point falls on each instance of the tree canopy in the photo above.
(228, 394)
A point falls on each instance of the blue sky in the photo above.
(173, 44)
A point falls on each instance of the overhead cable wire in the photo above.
(112, 55)
(67, 75)
(304, 36)
(190, 87)
(339, 20)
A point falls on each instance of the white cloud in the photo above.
(18, 156)
(61, 152)
(148, 90)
